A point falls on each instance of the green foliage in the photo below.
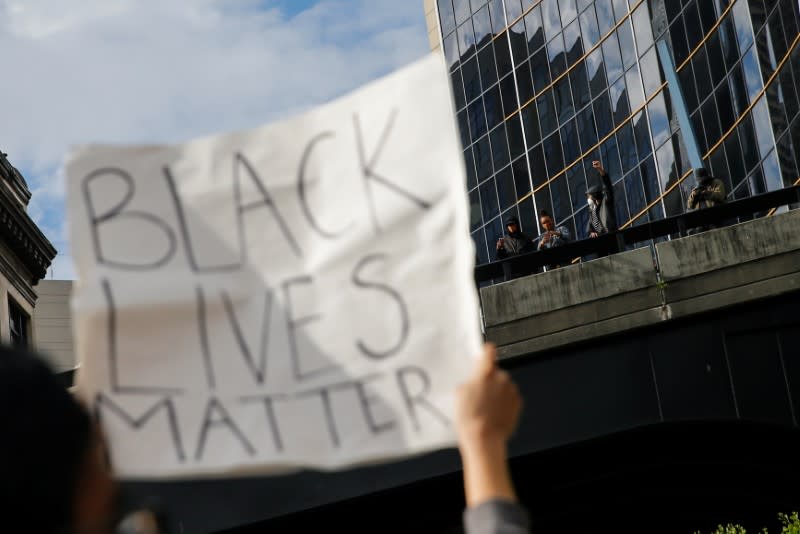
(790, 525)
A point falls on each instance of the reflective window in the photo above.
(476, 118)
(534, 30)
(736, 167)
(499, 143)
(472, 174)
(725, 107)
(458, 89)
(513, 10)
(569, 11)
(494, 110)
(553, 157)
(508, 95)
(540, 71)
(589, 29)
(463, 127)
(569, 136)
(634, 82)
(483, 158)
(530, 122)
(727, 40)
(538, 169)
(475, 217)
(563, 96)
(763, 127)
(505, 188)
(649, 179)
(625, 35)
(602, 115)
(481, 254)
(665, 157)
(488, 70)
(688, 87)
(527, 217)
(521, 180)
(515, 141)
(462, 9)
(627, 147)
(716, 59)
(482, 25)
(451, 53)
(757, 184)
(466, 38)
(572, 43)
(642, 27)
(612, 58)
(659, 121)
(577, 187)
(597, 74)
(620, 9)
(472, 80)
(547, 113)
(694, 31)
(519, 43)
(621, 203)
(497, 15)
(543, 201)
(524, 83)
(586, 129)
(580, 85)
(635, 193)
(701, 74)
(747, 134)
(551, 18)
(605, 17)
(677, 34)
(557, 56)
(583, 4)
(642, 134)
(559, 191)
(609, 156)
(752, 74)
(619, 101)
(738, 90)
(489, 204)
(744, 30)
(446, 17)
(707, 16)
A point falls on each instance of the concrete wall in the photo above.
(679, 278)
(52, 323)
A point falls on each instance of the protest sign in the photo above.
(297, 295)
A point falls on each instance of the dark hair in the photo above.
(46, 439)
(544, 213)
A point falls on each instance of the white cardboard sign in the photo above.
(297, 295)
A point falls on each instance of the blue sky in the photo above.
(148, 71)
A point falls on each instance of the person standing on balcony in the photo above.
(709, 192)
(553, 236)
(514, 243)
(602, 212)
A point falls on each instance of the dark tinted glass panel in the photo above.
(515, 141)
(702, 75)
(580, 85)
(716, 61)
(559, 189)
(564, 107)
(752, 74)
(466, 38)
(699, 130)
(625, 34)
(613, 58)
(508, 95)
(586, 130)
(642, 133)
(572, 43)
(627, 147)
(451, 52)
(527, 217)
(727, 39)
(505, 188)
(547, 113)
(519, 43)
(521, 180)
(677, 33)
(472, 174)
(621, 203)
(446, 16)
(538, 169)
(711, 122)
(665, 157)
(577, 187)
(619, 101)
(476, 118)
(475, 217)
(551, 18)
(540, 70)
(552, 154)
(597, 73)
(488, 70)
(499, 144)
(524, 82)
(649, 179)
(725, 107)
(458, 89)
(502, 56)
(472, 79)
(489, 204)
(707, 15)
(738, 90)
(635, 192)
(569, 136)
(659, 122)
(483, 158)
(494, 110)
(736, 170)
(543, 200)
(534, 30)
(482, 25)
(602, 115)
(530, 121)
(688, 87)
(481, 254)
(605, 16)
(694, 30)
(557, 56)
(609, 156)
(589, 29)
(463, 128)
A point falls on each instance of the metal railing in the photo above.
(675, 226)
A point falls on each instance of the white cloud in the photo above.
(157, 71)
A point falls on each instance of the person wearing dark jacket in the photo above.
(512, 244)
(709, 192)
(602, 211)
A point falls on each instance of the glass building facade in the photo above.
(544, 87)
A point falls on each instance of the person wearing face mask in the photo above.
(602, 212)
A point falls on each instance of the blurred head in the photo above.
(54, 471)
(594, 194)
(512, 225)
(547, 222)
(702, 176)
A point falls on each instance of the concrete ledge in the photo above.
(710, 271)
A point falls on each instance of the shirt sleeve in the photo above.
(497, 516)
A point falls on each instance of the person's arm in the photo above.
(716, 192)
(565, 234)
(691, 203)
(487, 414)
